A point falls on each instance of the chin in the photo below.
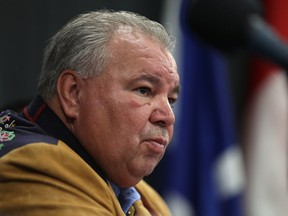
(140, 173)
(144, 167)
(148, 170)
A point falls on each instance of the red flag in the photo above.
(266, 132)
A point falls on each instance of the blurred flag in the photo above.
(266, 128)
(204, 162)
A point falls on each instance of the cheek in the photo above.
(170, 131)
(131, 121)
(134, 103)
(87, 123)
(139, 114)
(135, 110)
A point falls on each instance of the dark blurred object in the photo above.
(230, 25)
(222, 23)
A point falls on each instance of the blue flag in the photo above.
(203, 162)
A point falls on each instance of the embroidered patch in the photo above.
(5, 122)
(4, 119)
(6, 135)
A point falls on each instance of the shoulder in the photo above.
(55, 176)
(16, 132)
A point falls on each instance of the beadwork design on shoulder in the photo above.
(6, 122)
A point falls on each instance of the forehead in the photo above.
(136, 53)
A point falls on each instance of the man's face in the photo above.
(125, 118)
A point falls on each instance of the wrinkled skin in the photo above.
(123, 116)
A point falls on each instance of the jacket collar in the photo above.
(39, 113)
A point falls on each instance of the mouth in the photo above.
(156, 145)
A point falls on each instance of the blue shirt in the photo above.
(125, 196)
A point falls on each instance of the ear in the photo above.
(68, 93)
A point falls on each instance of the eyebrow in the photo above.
(154, 80)
(176, 90)
(147, 77)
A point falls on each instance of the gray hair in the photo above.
(82, 45)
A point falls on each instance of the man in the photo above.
(102, 121)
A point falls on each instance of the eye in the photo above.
(143, 90)
(171, 101)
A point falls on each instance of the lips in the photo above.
(156, 145)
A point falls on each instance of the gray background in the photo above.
(25, 27)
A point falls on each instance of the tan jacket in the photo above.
(54, 180)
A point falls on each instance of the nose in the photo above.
(162, 114)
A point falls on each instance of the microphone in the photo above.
(232, 24)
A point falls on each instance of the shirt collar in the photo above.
(126, 196)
